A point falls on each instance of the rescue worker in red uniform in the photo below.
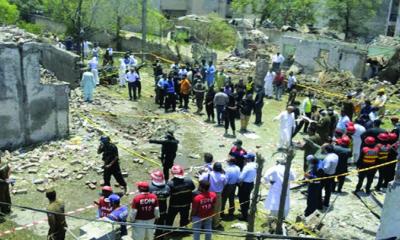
(104, 207)
(393, 152)
(144, 212)
(368, 158)
(384, 148)
(238, 152)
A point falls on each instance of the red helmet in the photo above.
(393, 136)
(346, 141)
(107, 188)
(369, 141)
(157, 177)
(350, 124)
(143, 186)
(383, 137)
(177, 171)
(351, 129)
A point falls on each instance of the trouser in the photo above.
(5, 198)
(88, 96)
(370, 178)
(384, 177)
(166, 169)
(220, 113)
(356, 148)
(161, 97)
(183, 212)
(228, 194)
(244, 121)
(139, 87)
(230, 120)
(210, 112)
(327, 185)
(199, 224)
(199, 102)
(59, 235)
(244, 197)
(132, 90)
(185, 98)
(314, 198)
(96, 76)
(115, 171)
(292, 97)
(122, 79)
(301, 124)
(143, 232)
(258, 113)
(278, 92)
(339, 184)
(217, 209)
(170, 101)
(391, 171)
(161, 221)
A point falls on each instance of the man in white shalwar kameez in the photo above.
(274, 176)
(122, 72)
(359, 130)
(93, 68)
(268, 87)
(88, 85)
(287, 126)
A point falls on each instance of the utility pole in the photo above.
(254, 200)
(144, 27)
(289, 158)
(390, 217)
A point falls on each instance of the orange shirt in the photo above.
(185, 86)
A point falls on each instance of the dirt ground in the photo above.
(70, 163)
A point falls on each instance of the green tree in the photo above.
(350, 16)
(27, 7)
(8, 12)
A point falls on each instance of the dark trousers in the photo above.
(132, 86)
(327, 185)
(339, 184)
(60, 235)
(301, 124)
(139, 87)
(229, 194)
(183, 212)
(314, 198)
(199, 102)
(161, 221)
(230, 120)
(370, 177)
(185, 98)
(210, 112)
(220, 113)
(258, 113)
(161, 97)
(244, 197)
(5, 197)
(115, 171)
(170, 102)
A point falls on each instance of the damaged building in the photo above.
(33, 109)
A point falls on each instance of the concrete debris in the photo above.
(19, 191)
(13, 34)
(48, 77)
(240, 226)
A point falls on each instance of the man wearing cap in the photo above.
(380, 102)
(238, 152)
(274, 176)
(232, 173)
(356, 137)
(5, 197)
(144, 212)
(159, 187)
(181, 196)
(331, 161)
(104, 206)
(314, 193)
(169, 147)
(246, 184)
(310, 145)
(287, 126)
(343, 151)
(111, 163)
(55, 216)
(368, 158)
(217, 180)
(323, 126)
(348, 106)
(384, 149)
(119, 214)
(203, 207)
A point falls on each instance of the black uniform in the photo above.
(168, 153)
(314, 192)
(344, 154)
(162, 192)
(230, 113)
(210, 105)
(4, 189)
(110, 153)
(258, 106)
(180, 200)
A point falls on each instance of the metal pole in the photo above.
(289, 158)
(144, 27)
(253, 207)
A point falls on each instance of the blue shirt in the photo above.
(232, 173)
(249, 173)
(119, 215)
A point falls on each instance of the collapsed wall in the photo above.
(30, 112)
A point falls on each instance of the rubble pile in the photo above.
(47, 77)
(386, 41)
(14, 34)
(237, 67)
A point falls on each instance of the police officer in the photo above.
(169, 147)
(170, 100)
(119, 213)
(246, 184)
(5, 197)
(393, 153)
(384, 148)
(314, 191)
(232, 173)
(344, 153)
(181, 196)
(56, 219)
(144, 212)
(111, 163)
(368, 158)
(159, 187)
